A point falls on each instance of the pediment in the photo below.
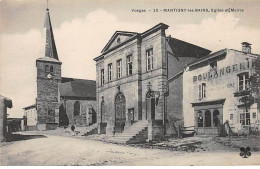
(118, 38)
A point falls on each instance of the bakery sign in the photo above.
(215, 73)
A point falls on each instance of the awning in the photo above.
(210, 102)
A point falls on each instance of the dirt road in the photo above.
(57, 150)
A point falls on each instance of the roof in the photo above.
(184, 49)
(132, 35)
(81, 88)
(29, 107)
(125, 33)
(48, 59)
(8, 102)
(50, 47)
(217, 54)
(208, 102)
(207, 57)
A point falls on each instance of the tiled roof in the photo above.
(81, 88)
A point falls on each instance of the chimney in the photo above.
(246, 47)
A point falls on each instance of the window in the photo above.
(200, 119)
(254, 115)
(129, 65)
(102, 77)
(51, 69)
(76, 108)
(118, 40)
(243, 82)
(202, 90)
(231, 116)
(47, 69)
(213, 65)
(119, 68)
(245, 118)
(149, 59)
(110, 72)
(216, 118)
(207, 119)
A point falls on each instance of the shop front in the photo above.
(208, 115)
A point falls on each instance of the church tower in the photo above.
(48, 78)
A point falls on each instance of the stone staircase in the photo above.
(136, 133)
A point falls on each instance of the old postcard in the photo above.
(129, 83)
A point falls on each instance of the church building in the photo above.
(139, 83)
(61, 101)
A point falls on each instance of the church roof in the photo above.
(50, 47)
(78, 88)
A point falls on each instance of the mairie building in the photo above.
(139, 83)
(217, 90)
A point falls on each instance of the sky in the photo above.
(83, 27)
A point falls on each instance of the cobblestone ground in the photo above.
(36, 149)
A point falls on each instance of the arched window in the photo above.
(216, 118)
(51, 69)
(207, 118)
(200, 119)
(76, 108)
(102, 111)
(47, 69)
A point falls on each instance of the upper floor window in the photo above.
(51, 69)
(213, 65)
(149, 59)
(110, 72)
(119, 68)
(102, 77)
(129, 65)
(243, 81)
(202, 90)
(47, 69)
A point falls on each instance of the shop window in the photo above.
(110, 72)
(202, 90)
(129, 65)
(207, 119)
(200, 119)
(243, 81)
(102, 77)
(216, 118)
(149, 59)
(254, 115)
(119, 68)
(231, 116)
(213, 65)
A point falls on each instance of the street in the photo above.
(42, 150)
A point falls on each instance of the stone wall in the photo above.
(47, 92)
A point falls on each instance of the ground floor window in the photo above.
(208, 118)
(245, 118)
(200, 119)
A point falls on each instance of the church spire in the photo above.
(50, 47)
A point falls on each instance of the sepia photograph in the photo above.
(129, 83)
